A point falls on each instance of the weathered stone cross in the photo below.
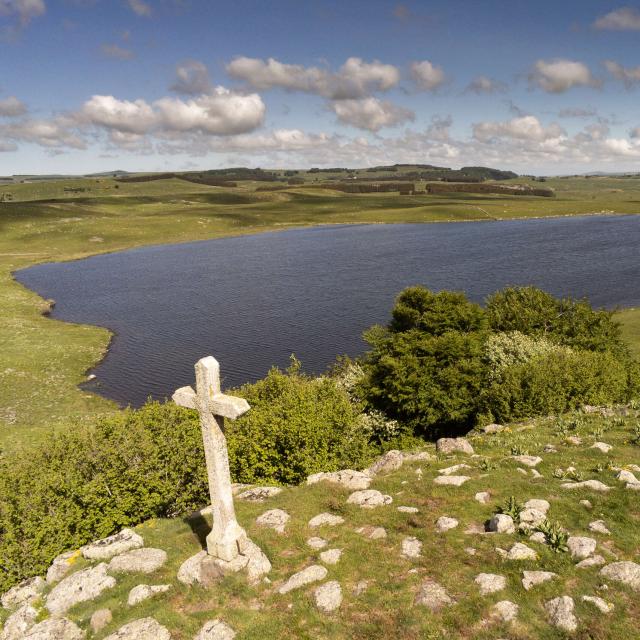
(227, 538)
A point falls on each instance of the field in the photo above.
(43, 361)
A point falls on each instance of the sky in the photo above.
(171, 85)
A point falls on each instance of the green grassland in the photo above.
(42, 361)
(386, 607)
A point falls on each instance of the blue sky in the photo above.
(92, 85)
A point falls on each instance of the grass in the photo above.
(386, 608)
(43, 361)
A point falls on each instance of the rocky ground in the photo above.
(525, 531)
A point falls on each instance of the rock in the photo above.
(81, 586)
(592, 561)
(520, 551)
(369, 499)
(560, 612)
(574, 440)
(274, 519)
(314, 573)
(492, 428)
(215, 630)
(539, 537)
(114, 545)
(328, 596)
(586, 504)
(346, 478)
(433, 596)
(539, 505)
(633, 486)
(532, 518)
(144, 591)
(454, 445)
(24, 593)
(536, 474)
(325, 519)
(626, 572)
(411, 547)
(416, 457)
(60, 566)
(501, 523)
(331, 556)
(522, 471)
(138, 561)
(599, 526)
(475, 529)
(54, 629)
(18, 623)
(602, 605)
(550, 448)
(626, 476)
(142, 629)
(581, 547)
(258, 565)
(317, 543)
(470, 551)
(453, 481)
(201, 569)
(449, 471)
(594, 485)
(602, 446)
(445, 523)
(528, 461)
(531, 579)
(371, 532)
(505, 610)
(100, 619)
(360, 587)
(408, 509)
(390, 461)
(490, 583)
(259, 494)
(483, 497)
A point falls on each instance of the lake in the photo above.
(251, 301)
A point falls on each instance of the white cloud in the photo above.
(192, 78)
(121, 115)
(116, 51)
(24, 10)
(623, 19)
(6, 147)
(139, 7)
(557, 76)
(11, 107)
(484, 84)
(355, 78)
(524, 128)
(54, 133)
(427, 76)
(629, 75)
(370, 113)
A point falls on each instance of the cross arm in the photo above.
(220, 404)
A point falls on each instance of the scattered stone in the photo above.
(200, 568)
(60, 566)
(314, 573)
(528, 461)
(536, 474)
(390, 461)
(24, 593)
(522, 471)
(626, 572)
(142, 629)
(274, 519)
(258, 565)
(492, 428)
(586, 504)
(138, 561)
(18, 623)
(539, 537)
(328, 596)
(581, 547)
(505, 610)
(100, 619)
(81, 586)
(317, 543)
(445, 523)
(433, 596)
(453, 481)
(531, 518)
(259, 494)
(599, 526)
(411, 547)
(371, 532)
(602, 446)
(536, 503)
(501, 523)
(560, 612)
(574, 440)
(408, 509)
(594, 485)
(360, 587)
(56, 629)
(331, 556)
(483, 497)
(490, 583)
(531, 579)
(347, 478)
(602, 605)
(325, 519)
(470, 551)
(449, 471)
(215, 630)
(550, 448)
(418, 456)
(475, 529)
(144, 591)
(454, 445)
(114, 545)
(592, 561)
(369, 498)
(633, 486)
(627, 476)
(520, 551)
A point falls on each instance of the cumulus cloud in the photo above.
(354, 79)
(54, 133)
(524, 128)
(23, 10)
(370, 113)
(623, 19)
(140, 7)
(560, 75)
(192, 78)
(629, 75)
(427, 76)
(484, 84)
(116, 51)
(11, 107)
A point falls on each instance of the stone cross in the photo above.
(227, 538)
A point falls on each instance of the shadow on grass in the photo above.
(200, 528)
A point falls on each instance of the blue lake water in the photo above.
(251, 301)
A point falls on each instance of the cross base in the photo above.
(228, 546)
